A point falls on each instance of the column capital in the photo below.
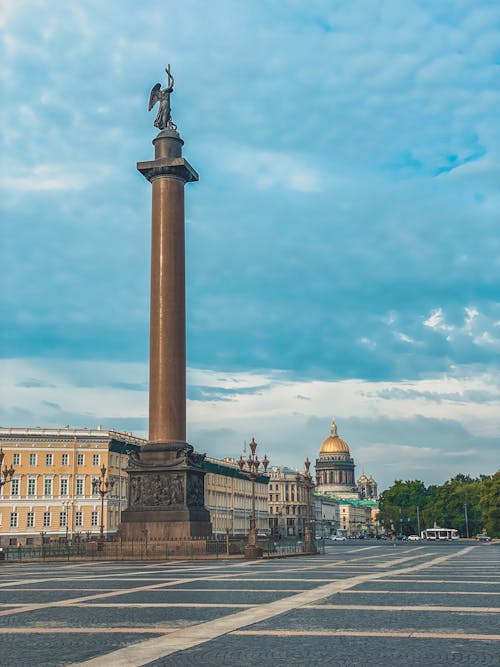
(165, 167)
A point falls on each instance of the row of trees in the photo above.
(471, 505)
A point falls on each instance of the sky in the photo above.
(343, 246)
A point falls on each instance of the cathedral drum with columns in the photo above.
(335, 468)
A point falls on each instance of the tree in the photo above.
(464, 503)
(490, 504)
(456, 505)
(398, 506)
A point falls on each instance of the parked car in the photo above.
(413, 538)
(338, 538)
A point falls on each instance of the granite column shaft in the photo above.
(167, 371)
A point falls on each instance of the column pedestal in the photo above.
(166, 494)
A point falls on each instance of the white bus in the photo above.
(440, 534)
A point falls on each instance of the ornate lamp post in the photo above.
(279, 514)
(308, 538)
(65, 505)
(102, 486)
(250, 468)
(7, 473)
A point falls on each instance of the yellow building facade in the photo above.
(356, 516)
(287, 498)
(51, 495)
(228, 498)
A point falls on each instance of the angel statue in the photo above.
(164, 116)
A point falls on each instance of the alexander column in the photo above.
(166, 481)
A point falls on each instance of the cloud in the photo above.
(462, 396)
(206, 393)
(33, 382)
(45, 177)
(426, 428)
(403, 337)
(435, 320)
(272, 169)
(475, 329)
(54, 406)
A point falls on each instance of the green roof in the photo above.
(123, 447)
(349, 501)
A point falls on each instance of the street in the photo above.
(360, 603)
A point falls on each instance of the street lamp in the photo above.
(65, 505)
(7, 473)
(279, 514)
(102, 486)
(308, 541)
(250, 468)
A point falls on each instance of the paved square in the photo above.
(360, 603)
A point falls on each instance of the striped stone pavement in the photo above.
(360, 603)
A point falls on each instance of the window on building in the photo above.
(79, 487)
(31, 486)
(14, 487)
(16, 459)
(78, 518)
(13, 519)
(32, 459)
(30, 519)
(95, 459)
(63, 519)
(47, 486)
(46, 519)
(65, 459)
(49, 459)
(80, 459)
(95, 518)
(63, 486)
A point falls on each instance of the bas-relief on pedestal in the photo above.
(166, 494)
(166, 480)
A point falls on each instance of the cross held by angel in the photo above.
(164, 116)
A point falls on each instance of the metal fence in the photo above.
(289, 548)
(142, 550)
(43, 552)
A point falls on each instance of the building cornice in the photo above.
(68, 436)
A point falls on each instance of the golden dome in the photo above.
(334, 444)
